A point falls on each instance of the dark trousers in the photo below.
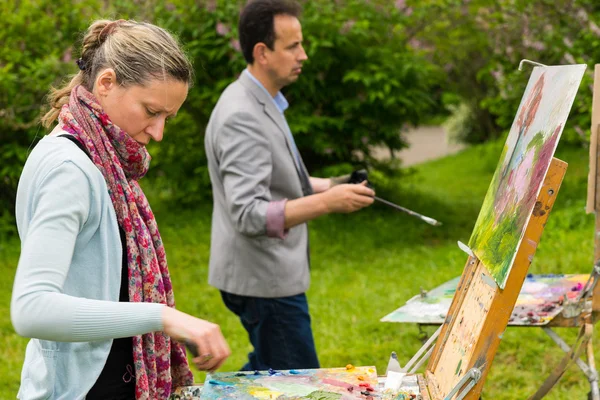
(279, 329)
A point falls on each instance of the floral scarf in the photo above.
(160, 362)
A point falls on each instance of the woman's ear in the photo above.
(105, 82)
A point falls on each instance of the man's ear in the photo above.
(260, 53)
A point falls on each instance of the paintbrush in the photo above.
(429, 220)
(192, 348)
(361, 175)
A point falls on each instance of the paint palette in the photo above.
(325, 383)
(539, 301)
(542, 297)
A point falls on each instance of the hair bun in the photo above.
(109, 29)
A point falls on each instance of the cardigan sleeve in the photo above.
(61, 204)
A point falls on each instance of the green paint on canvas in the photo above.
(523, 165)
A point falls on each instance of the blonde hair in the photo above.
(137, 51)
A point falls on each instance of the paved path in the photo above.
(426, 143)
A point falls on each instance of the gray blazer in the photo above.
(250, 163)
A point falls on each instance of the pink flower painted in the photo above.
(522, 175)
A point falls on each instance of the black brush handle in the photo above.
(192, 348)
(360, 176)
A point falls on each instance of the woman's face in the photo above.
(141, 111)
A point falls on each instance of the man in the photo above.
(263, 195)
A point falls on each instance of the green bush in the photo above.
(479, 44)
(36, 52)
(361, 85)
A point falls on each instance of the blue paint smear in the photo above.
(218, 383)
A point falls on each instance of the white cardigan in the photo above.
(66, 289)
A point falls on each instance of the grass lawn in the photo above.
(367, 264)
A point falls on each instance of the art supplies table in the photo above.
(546, 301)
(541, 299)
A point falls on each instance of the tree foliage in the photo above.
(374, 68)
(361, 85)
(480, 43)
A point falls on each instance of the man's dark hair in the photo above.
(257, 23)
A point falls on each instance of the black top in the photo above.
(117, 379)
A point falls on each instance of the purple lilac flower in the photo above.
(347, 26)
(222, 29)
(67, 55)
(235, 44)
(400, 4)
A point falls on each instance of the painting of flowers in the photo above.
(524, 162)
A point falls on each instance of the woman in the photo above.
(93, 266)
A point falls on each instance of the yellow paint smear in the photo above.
(264, 393)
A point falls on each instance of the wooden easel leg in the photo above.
(585, 334)
(593, 378)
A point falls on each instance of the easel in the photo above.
(585, 310)
(479, 313)
(581, 314)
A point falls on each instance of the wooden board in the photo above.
(593, 197)
(480, 310)
(593, 194)
(596, 293)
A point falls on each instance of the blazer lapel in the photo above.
(273, 113)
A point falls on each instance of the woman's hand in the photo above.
(206, 336)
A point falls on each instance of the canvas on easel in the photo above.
(531, 142)
(547, 301)
(586, 311)
(505, 237)
(480, 310)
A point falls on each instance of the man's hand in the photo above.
(347, 198)
(357, 176)
(339, 180)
